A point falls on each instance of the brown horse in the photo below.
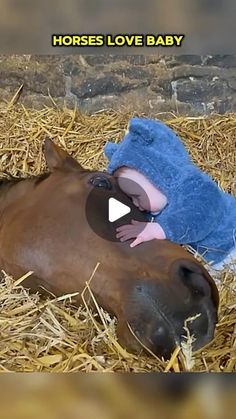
(152, 288)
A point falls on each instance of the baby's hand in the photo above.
(141, 231)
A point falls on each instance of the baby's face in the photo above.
(143, 193)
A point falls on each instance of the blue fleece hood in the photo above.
(153, 149)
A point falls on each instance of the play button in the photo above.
(107, 207)
(116, 209)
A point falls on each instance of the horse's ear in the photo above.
(56, 158)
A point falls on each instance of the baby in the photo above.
(182, 203)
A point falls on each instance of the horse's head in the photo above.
(102, 185)
(162, 290)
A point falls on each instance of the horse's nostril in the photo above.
(163, 343)
(161, 337)
(160, 332)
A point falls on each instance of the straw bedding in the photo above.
(54, 335)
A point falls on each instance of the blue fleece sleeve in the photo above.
(194, 211)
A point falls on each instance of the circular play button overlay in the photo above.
(108, 207)
(117, 210)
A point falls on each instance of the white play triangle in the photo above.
(116, 209)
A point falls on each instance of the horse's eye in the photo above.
(100, 182)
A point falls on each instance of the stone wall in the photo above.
(184, 84)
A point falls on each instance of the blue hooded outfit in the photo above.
(198, 212)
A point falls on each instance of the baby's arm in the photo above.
(195, 212)
(141, 231)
